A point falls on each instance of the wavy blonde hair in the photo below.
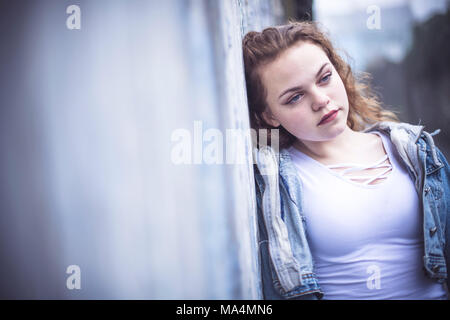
(260, 48)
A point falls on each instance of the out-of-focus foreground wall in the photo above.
(90, 120)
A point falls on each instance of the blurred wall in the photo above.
(420, 84)
(87, 119)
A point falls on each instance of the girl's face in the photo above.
(302, 86)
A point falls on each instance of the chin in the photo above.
(337, 130)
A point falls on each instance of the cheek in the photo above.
(297, 118)
(340, 89)
(337, 93)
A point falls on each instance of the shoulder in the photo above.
(392, 128)
(404, 132)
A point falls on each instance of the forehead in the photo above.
(294, 66)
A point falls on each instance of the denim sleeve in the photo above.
(269, 291)
(445, 177)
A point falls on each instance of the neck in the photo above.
(343, 144)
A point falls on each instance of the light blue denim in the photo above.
(287, 267)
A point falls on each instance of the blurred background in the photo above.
(90, 99)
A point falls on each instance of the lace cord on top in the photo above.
(357, 167)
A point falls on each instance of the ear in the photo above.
(270, 119)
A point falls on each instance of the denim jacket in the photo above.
(287, 269)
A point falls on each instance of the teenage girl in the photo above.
(348, 215)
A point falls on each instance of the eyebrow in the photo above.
(300, 87)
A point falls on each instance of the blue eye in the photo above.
(326, 78)
(295, 98)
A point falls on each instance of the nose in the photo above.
(319, 99)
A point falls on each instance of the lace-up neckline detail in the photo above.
(350, 168)
(368, 176)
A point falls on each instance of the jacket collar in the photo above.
(404, 131)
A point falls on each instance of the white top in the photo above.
(366, 239)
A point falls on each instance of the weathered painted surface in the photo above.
(87, 122)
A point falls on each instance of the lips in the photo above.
(327, 116)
